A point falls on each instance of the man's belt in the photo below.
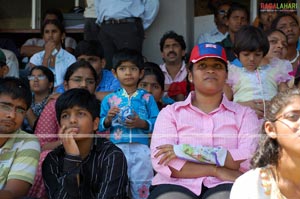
(120, 21)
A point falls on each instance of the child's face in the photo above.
(52, 33)
(150, 84)
(251, 59)
(278, 45)
(128, 74)
(12, 113)
(40, 83)
(97, 63)
(82, 78)
(80, 120)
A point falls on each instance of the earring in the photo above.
(191, 80)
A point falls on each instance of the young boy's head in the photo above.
(3, 66)
(78, 109)
(250, 46)
(77, 97)
(128, 66)
(92, 52)
(15, 99)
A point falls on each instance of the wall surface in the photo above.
(176, 15)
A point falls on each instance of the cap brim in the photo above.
(208, 56)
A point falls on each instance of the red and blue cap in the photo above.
(208, 50)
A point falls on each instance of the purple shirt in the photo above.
(231, 126)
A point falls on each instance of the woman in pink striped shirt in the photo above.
(201, 145)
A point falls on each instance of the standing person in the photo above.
(19, 151)
(208, 119)
(91, 28)
(130, 113)
(237, 16)
(220, 30)
(172, 48)
(276, 164)
(54, 56)
(254, 85)
(85, 165)
(79, 75)
(122, 24)
(41, 82)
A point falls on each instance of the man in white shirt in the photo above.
(220, 31)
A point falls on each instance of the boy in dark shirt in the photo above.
(84, 166)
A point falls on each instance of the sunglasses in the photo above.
(223, 12)
(39, 77)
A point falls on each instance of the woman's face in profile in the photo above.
(287, 126)
(278, 45)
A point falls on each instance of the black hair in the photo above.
(77, 97)
(79, 64)
(151, 68)
(55, 22)
(130, 55)
(236, 6)
(281, 15)
(268, 150)
(89, 48)
(16, 89)
(56, 12)
(250, 38)
(46, 71)
(218, 6)
(172, 35)
(271, 31)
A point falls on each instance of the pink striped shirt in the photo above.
(231, 125)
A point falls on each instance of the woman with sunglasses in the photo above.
(276, 162)
(41, 81)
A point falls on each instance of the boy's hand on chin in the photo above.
(66, 135)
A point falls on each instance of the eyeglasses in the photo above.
(223, 12)
(39, 77)
(292, 116)
(78, 80)
(7, 108)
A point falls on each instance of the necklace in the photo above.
(295, 58)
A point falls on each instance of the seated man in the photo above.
(4, 69)
(85, 165)
(12, 63)
(19, 151)
(92, 52)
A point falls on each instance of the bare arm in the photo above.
(28, 51)
(194, 170)
(14, 189)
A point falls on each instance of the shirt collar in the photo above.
(164, 68)
(11, 141)
(225, 103)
